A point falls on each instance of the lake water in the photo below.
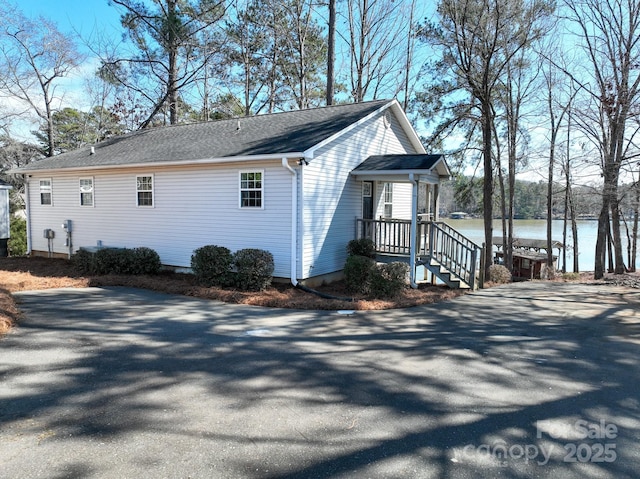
(537, 229)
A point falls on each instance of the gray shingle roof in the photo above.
(278, 133)
(398, 162)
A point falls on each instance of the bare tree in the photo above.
(610, 33)
(569, 200)
(557, 109)
(478, 39)
(517, 88)
(375, 32)
(34, 56)
(304, 55)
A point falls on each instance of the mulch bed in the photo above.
(34, 273)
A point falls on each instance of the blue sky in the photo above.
(83, 16)
(86, 18)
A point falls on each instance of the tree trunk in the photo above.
(487, 188)
(50, 132)
(552, 153)
(619, 266)
(407, 73)
(611, 267)
(361, 60)
(565, 219)
(331, 56)
(603, 228)
(512, 209)
(172, 87)
(634, 236)
(503, 208)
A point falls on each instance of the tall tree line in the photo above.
(477, 77)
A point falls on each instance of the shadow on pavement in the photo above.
(521, 381)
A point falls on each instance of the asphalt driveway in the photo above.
(530, 380)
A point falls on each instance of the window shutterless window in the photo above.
(388, 200)
(86, 191)
(45, 192)
(251, 189)
(144, 190)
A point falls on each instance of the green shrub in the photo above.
(117, 261)
(254, 269)
(362, 247)
(18, 241)
(113, 261)
(84, 261)
(212, 265)
(499, 274)
(357, 271)
(145, 261)
(388, 280)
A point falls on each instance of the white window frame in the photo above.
(387, 200)
(245, 188)
(90, 191)
(152, 190)
(46, 189)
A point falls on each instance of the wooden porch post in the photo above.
(436, 202)
(414, 229)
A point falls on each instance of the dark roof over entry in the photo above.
(391, 164)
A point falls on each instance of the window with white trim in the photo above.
(388, 200)
(46, 197)
(86, 191)
(251, 189)
(144, 190)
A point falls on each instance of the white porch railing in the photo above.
(443, 250)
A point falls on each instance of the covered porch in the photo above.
(420, 239)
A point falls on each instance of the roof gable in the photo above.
(261, 135)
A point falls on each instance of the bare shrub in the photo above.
(499, 274)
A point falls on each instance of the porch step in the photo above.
(447, 277)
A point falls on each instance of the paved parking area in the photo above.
(529, 380)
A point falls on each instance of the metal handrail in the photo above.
(457, 253)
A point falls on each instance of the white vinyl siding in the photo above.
(333, 198)
(86, 191)
(401, 205)
(193, 207)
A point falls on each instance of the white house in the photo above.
(293, 183)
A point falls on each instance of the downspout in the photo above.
(27, 207)
(294, 221)
(414, 229)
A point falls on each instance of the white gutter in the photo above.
(27, 207)
(414, 229)
(159, 164)
(294, 220)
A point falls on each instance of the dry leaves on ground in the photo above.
(33, 273)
